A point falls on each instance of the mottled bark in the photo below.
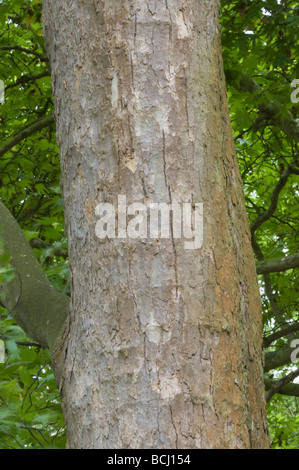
(163, 348)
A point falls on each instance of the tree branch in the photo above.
(294, 169)
(27, 78)
(278, 358)
(290, 389)
(27, 132)
(282, 356)
(274, 201)
(279, 334)
(43, 58)
(275, 114)
(277, 264)
(32, 300)
(272, 112)
(22, 343)
(41, 245)
(278, 384)
(268, 287)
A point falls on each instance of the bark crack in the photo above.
(150, 11)
(174, 427)
(171, 218)
(135, 30)
(132, 70)
(186, 103)
(170, 19)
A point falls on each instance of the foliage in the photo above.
(30, 414)
(29, 179)
(260, 43)
(283, 419)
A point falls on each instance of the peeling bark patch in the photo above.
(132, 164)
(168, 387)
(182, 27)
(156, 333)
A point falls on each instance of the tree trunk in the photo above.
(163, 347)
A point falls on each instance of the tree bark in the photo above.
(164, 344)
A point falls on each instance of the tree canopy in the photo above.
(260, 44)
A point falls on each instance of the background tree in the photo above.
(30, 404)
(259, 41)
